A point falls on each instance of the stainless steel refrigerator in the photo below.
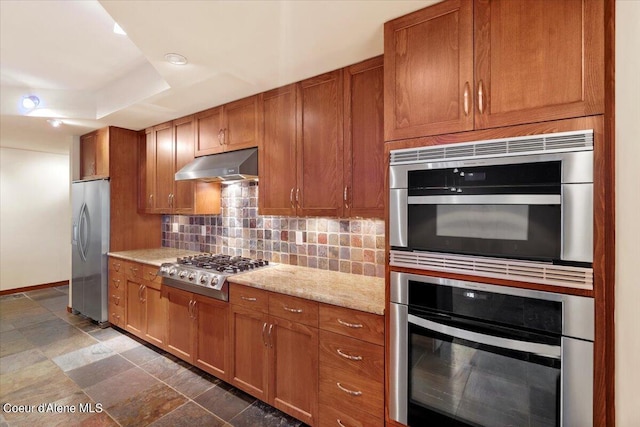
(90, 240)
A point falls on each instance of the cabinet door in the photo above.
(150, 197)
(164, 167)
(538, 60)
(241, 124)
(184, 130)
(320, 149)
(278, 152)
(249, 351)
(212, 342)
(294, 352)
(135, 308)
(156, 315)
(428, 69)
(88, 146)
(180, 325)
(102, 152)
(209, 137)
(364, 163)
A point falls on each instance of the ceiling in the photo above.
(66, 53)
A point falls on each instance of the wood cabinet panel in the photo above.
(241, 124)
(277, 152)
(353, 323)
(155, 316)
(180, 339)
(183, 191)
(320, 145)
(250, 298)
(164, 167)
(94, 154)
(331, 417)
(364, 162)
(294, 309)
(212, 331)
(429, 71)
(209, 132)
(135, 308)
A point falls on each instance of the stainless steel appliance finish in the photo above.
(206, 274)
(231, 166)
(90, 245)
(411, 328)
(494, 210)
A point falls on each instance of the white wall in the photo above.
(627, 213)
(35, 214)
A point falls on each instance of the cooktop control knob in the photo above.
(204, 280)
(182, 274)
(215, 280)
(192, 276)
(172, 271)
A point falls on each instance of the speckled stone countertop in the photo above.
(345, 290)
(354, 291)
(153, 256)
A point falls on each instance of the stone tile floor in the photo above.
(49, 356)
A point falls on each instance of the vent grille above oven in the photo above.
(538, 144)
(547, 274)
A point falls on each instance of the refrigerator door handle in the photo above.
(83, 232)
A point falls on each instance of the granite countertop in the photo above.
(353, 291)
(154, 256)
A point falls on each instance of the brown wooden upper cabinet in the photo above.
(473, 64)
(229, 127)
(322, 151)
(169, 147)
(94, 154)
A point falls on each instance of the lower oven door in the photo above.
(457, 377)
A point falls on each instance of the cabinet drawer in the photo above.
(333, 417)
(295, 309)
(116, 315)
(357, 324)
(251, 298)
(117, 265)
(360, 358)
(150, 274)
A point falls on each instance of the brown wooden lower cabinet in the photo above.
(145, 308)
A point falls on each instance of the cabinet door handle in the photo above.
(195, 309)
(346, 390)
(221, 137)
(466, 99)
(481, 97)
(116, 283)
(292, 310)
(264, 328)
(350, 325)
(345, 196)
(270, 338)
(291, 198)
(143, 289)
(140, 293)
(340, 423)
(150, 200)
(298, 196)
(116, 266)
(116, 300)
(250, 299)
(348, 356)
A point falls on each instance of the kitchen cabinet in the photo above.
(168, 148)
(351, 367)
(364, 162)
(463, 64)
(229, 127)
(145, 307)
(274, 350)
(197, 330)
(322, 151)
(94, 154)
(116, 292)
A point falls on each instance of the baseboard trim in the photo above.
(34, 288)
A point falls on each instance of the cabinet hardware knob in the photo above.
(466, 99)
(348, 356)
(346, 390)
(350, 325)
(481, 97)
(292, 310)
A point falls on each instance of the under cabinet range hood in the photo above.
(230, 166)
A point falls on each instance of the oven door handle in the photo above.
(487, 199)
(545, 350)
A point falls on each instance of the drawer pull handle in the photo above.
(348, 356)
(292, 310)
(152, 274)
(116, 283)
(351, 392)
(350, 325)
(116, 266)
(340, 423)
(250, 299)
(116, 300)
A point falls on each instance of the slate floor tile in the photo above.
(147, 406)
(225, 401)
(120, 387)
(93, 373)
(188, 415)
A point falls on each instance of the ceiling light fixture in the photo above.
(30, 102)
(175, 58)
(55, 123)
(118, 29)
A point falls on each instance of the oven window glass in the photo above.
(455, 382)
(502, 222)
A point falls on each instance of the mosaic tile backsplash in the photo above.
(348, 245)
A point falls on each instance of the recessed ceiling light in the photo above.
(118, 29)
(175, 58)
(55, 123)
(30, 102)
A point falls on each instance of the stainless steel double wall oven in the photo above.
(466, 353)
